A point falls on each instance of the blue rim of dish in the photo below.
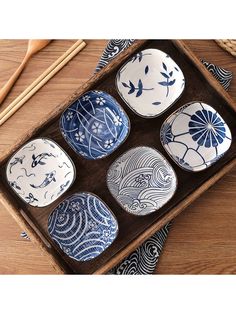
(112, 213)
(49, 139)
(117, 103)
(168, 163)
(131, 108)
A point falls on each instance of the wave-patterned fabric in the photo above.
(114, 47)
(144, 259)
(222, 75)
(141, 262)
(24, 235)
(82, 226)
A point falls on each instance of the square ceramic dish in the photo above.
(133, 230)
(40, 172)
(141, 180)
(95, 125)
(83, 226)
(195, 136)
(150, 82)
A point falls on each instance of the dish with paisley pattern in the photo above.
(40, 172)
(141, 180)
(94, 125)
(82, 226)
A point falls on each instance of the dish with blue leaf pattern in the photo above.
(195, 136)
(150, 82)
(95, 125)
(83, 226)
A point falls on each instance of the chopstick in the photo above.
(41, 81)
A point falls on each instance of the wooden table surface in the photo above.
(202, 239)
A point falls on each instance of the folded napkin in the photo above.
(144, 259)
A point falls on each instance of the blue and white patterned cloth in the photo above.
(144, 259)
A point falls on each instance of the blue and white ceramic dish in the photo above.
(150, 82)
(95, 125)
(83, 226)
(195, 136)
(40, 172)
(141, 180)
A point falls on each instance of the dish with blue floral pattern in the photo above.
(95, 125)
(150, 82)
(141, 180)
(83, 226)
(40, 172)
(195, 136)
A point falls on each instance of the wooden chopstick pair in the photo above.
(41, 80)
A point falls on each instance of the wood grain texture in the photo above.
(178, 266)
(41, 80)
(33, 47)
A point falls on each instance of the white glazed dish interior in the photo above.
(40, 172)
(141, 180)
(150, 82)
(195, 136)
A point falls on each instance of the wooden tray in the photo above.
(91, 175)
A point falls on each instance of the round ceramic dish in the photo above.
(195, 136)
(94, 125)
(150, 82)
(83, 226)
(40, 172)
(141, 180)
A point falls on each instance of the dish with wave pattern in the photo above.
(141, 180)
(83, 226)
